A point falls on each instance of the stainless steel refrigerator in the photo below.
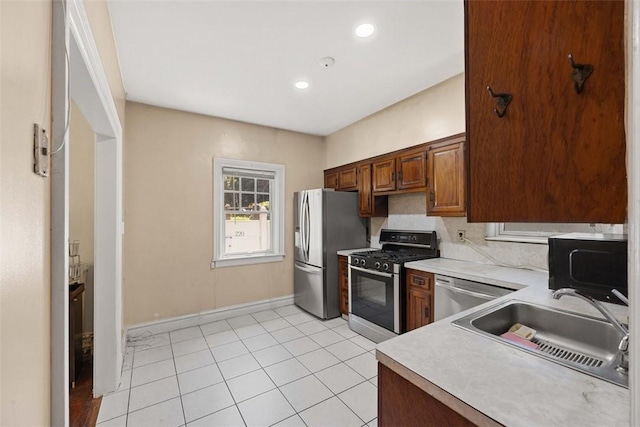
(326, 221)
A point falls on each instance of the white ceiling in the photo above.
(240, 59)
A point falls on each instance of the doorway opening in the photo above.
(78, 76)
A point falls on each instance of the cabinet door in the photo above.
(331, 180)
(556, 155)
(419, 310)
(364, 191)
(446, 181)
(348, 179)
(343, 280)
(412, 171)
(384, 175)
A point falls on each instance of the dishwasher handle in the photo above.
(466, 292)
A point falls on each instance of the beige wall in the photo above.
(24, 215)
(431, 114)
(25, 96)
(168, 215)
(81, 200)
(434, 113)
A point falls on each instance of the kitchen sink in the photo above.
(580, 342)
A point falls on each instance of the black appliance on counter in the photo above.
(594, 264)
(377, 282)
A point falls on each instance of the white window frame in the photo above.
(276, 207)
(496, 231)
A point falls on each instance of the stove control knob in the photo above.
(377, 265)
(356, 261)
(363, 262)
(385, 266)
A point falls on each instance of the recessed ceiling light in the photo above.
(302, 84)
(365, 30)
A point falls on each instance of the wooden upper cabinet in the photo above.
(556, 155)
(344, 178)
(368, 204)
(446, 195)
(331, 180)
(411, 171)
(384, 175)
(400, 172)
(365, 207)
(348, 179)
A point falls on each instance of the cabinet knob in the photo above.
(503, 100)
(579, 74)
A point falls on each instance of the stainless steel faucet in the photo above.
(623, 347)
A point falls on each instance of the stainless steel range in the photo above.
(377, 282)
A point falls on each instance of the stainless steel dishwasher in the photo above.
(454, 295)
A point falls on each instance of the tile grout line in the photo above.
(263, 368)
(175, 368)
(224, 380)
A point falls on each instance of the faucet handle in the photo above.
(620, 296)
(624, 344)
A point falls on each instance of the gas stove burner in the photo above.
(399, 247)
(389, 255)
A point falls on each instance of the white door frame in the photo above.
(632, 41)
(77, 73)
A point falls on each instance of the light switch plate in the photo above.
(40, 151)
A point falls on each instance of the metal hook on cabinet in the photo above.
(503, 102)
(579, 74)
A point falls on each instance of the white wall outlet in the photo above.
(461, 235)
(40, 151)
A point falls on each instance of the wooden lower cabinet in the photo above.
(419, 311)
(343, 280)
(419, 298)
(401, 403)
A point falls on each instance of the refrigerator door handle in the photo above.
(301, 219)
(307, 228)
(303, 224)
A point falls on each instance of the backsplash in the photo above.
(408, 212)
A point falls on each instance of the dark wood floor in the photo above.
(83, 409)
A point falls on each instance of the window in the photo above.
(538, 232)
(248, 212)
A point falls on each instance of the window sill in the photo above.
(246, 260)
(520, 239)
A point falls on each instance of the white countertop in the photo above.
(505, 384)
(512, 278)
(347, 252)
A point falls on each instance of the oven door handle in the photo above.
(466, 292)
(374, 272)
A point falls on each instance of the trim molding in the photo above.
(201, 318)
(632, 41)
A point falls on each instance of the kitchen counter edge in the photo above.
(489, 382)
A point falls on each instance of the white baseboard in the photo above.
(196, 319)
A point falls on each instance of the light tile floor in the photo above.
(278, 367)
